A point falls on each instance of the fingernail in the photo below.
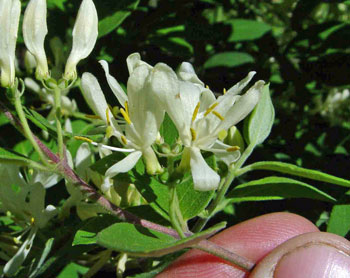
(314, 261)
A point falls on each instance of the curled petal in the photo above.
(186, 73)
(114, 85)
(242, 107)
(133, 61)
(125, 165)
(204, 178)
(94, 96)
(85, 34)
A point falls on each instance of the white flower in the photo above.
(85, 34)
(27, 203)
(34, 33)
(200, 117)
(9, 19)
(139, 125)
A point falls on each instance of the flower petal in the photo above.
(114, 85)
(125, 165)
(204, 178)
(186, 73)
(144, 113)
(13, 265)
(93, 95)
(237, 88)
(242, 107)
(179, 98)
(83, 161)
(222, 152)
(133, 61)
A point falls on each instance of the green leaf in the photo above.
(339, 221)
(228, 59)
(192, 202)
(73, 270)
(258, 126)
(12, 157)
(276, 188)
(291, 169)
(58, 3)
(245, 29)
(123, 9)
(3, 120)
(88, 232)
(138, 241)
(168, 131)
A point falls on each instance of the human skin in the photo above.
(283, 245)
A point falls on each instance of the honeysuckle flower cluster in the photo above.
(201, 119)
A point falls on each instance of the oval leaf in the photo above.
(142, 242)
(228, 59)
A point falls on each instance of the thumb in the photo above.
(312, 255)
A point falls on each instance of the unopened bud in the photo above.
(9, 17)
(34, 33)
(85, 34)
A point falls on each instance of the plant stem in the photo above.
(27, 131)
(58, 113)
(201, 222)
(173, 212)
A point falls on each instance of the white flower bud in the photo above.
(9, 19)
(34, 33)
(85, 33)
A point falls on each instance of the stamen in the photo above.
(224, 90)
(126, 105)
(83, 139)
(233, 149)
(217, 114)
(107, 117)
(123, 139)
(32, 220)
(206, 86)
(211, 108)
(195, 112)
(93, 117)
(125, 115)
(193, 134)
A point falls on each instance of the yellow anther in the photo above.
(211, 108)
(123, 139)
(193, 134)
(107, 117)
(195, 112)
(32, 220)
(125, 115)
(93, 117)
(224, 91)
(206, 86)
(83, 139)
(222, 134)
(126, 105)
(233, 149)
(217, 114)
